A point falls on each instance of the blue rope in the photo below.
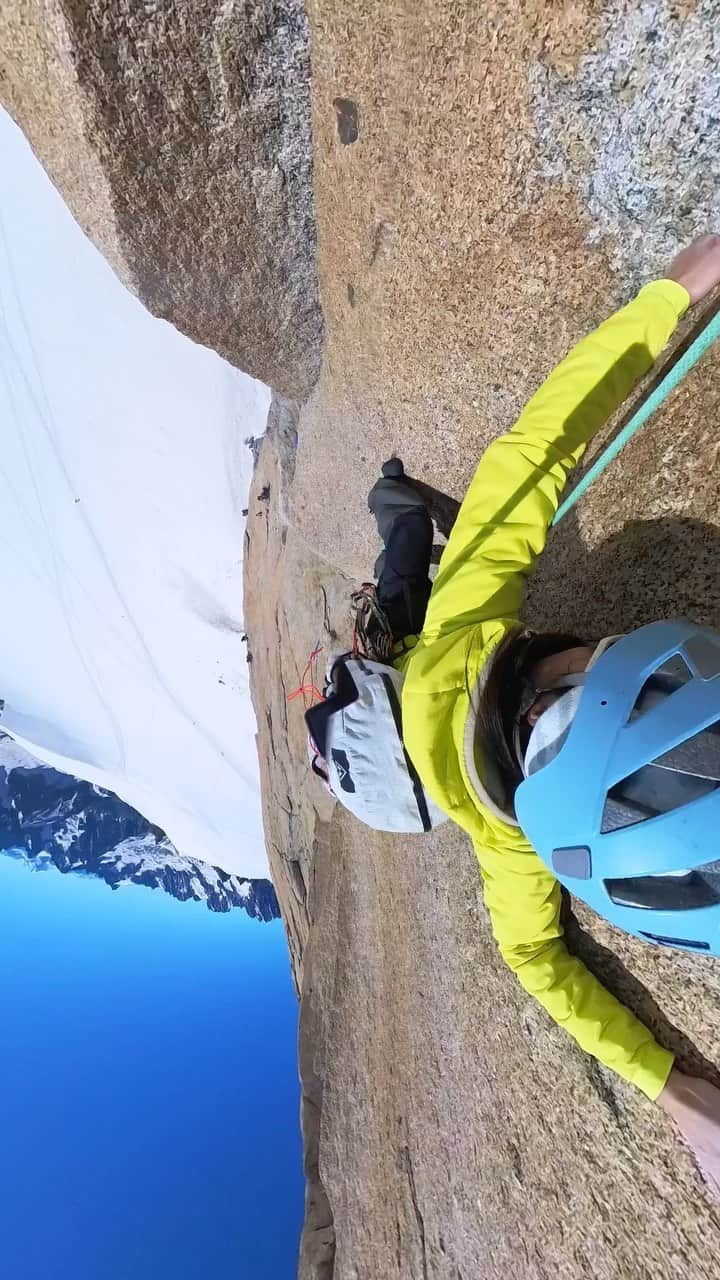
(695, 352)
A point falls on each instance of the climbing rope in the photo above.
(673, 377)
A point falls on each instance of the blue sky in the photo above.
(149, 1082)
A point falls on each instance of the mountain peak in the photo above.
(50, 817)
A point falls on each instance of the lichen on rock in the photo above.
(636, 130)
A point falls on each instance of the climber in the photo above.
(478, 688)
(487, 707)
(354, 741)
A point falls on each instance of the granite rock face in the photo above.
(180, 137)
(452, 1130)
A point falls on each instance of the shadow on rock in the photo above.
(442, 508)
(650, 569)
(615, 975)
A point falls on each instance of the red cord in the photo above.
(310, 689)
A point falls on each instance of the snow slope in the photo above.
(123, 475)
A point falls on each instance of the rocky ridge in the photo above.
(51, 819)
(179, 136)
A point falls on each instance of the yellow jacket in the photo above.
(501, 529)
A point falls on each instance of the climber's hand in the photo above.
(695, 1107)
(697, 268)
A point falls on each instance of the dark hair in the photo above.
(500, 702)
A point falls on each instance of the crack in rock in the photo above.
(408, 1166)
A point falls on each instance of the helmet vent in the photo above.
(704, 653)
(675, 942)
(665, 680)
(671, 892)
(687, 772)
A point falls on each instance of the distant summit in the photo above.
(49, 817)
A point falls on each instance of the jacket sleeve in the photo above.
(503, 522)
(524, 899)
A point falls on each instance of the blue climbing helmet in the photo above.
(621, 796)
